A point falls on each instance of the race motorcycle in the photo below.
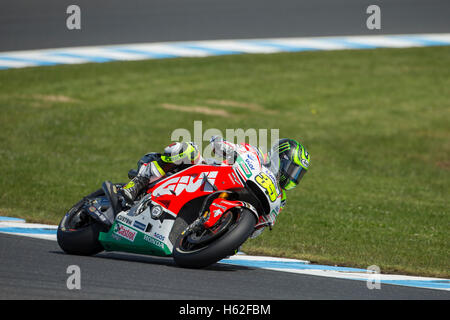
(198, 215)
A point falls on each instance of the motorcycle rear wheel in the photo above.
(78, 232)
(199, 253)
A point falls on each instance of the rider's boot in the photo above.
(131, 190)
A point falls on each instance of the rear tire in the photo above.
(225, 245)
(82, 240)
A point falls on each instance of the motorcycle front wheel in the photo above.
(205, 247)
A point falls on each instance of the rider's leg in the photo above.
(148, 172)
(177, 154)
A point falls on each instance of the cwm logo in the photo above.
(177, 185)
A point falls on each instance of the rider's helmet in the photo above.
(291, 160)
(182, 153)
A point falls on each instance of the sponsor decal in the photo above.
(244, 167)
(158, 236)
(236, 179)
(124, 220)
(274, 180)
(125, 232)
(240, 174)
(219, 206)
(154, 241)
(250, 164)
(217, 212)
(251, 156)
(233, 204)
(156, 212)
(139, 225)
(186, 183)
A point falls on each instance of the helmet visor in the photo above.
(293, 173)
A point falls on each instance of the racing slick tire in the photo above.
(199, 256)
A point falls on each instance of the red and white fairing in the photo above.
(200, 180)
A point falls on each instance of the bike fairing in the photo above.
(185, 185)
(146, 227)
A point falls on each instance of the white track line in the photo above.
(161, 50)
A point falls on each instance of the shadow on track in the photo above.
(162, 261)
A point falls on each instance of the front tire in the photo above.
(191, 256)
(78, 232)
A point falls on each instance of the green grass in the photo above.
(376, 123)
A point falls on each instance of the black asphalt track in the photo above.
(26, 24)
(37, 269)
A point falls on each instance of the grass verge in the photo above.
(376, 123)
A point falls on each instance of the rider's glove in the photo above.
(223, 148)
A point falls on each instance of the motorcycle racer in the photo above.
(287, 158)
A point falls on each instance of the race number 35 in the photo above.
(265, 182)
